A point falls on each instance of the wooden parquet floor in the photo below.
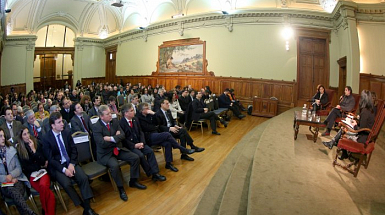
(182, 191)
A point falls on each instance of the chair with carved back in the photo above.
(326, 108)
(361, 152)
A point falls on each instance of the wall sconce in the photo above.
(287, 46)
(103, 32)
(287, 34)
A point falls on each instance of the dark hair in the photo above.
(94, 98)
(7, 108)
(126, 108)
(21, 150)
(349, 88)
(53, 117)
(6, 142)
(163, 100)
(320, 85)
(112, 99)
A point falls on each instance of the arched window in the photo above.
(54, 50)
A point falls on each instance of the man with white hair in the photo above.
(34, 126)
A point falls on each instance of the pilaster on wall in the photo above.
(17, 61)
(346, 26)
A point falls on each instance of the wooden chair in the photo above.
(326, 108)
(361, 153)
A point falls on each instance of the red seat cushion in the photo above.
(355, 147)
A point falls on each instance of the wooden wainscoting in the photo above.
(88, 81)
(245, 88)
(374, 83)
(19, 88)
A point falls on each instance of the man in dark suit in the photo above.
(184, 100)
(15, 115)
(95, 108)
(108, 137)
(158, 98)
(67, 111)
(135, 141)
(225, 102)
(149, 126)
(34, 126)
(200, 111)
(80, 121)
(167, 124)
(62, 156)
(11, 127)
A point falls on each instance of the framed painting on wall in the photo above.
(182, 57)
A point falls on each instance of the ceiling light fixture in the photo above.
(142, 28)
(117, 3)
(225, 12)
(177, 15)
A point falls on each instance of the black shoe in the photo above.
(344, 155)
(171, 167)
(216, 133)
(197, 149)
(89, 212)
(123, 195)
(137, 185)
(187, 151)
(241, 116)
(224, 123)
(186, 157)
(329, 144)
(158, 177)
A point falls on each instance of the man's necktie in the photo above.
(84, 124)
(63, 150)
(11, 130)
(35, 132)
(116, 150)
(130, 122)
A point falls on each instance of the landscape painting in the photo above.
(181, 59)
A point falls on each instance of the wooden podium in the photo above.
(264, 107)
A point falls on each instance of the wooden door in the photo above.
(312, 66)
(111, 64)
(47, 70)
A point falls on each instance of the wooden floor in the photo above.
(182, 191)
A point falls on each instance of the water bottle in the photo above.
(304, 110)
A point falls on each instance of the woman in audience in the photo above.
(147, 97)
(176, 110)
(10, 172)
(32, 160)
(320, 98)
(112, 105)
(366, 120)
(130, 95)
(85, 102)
(41, 114)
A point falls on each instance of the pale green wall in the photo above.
(256, 51)
(13, 65)
(335, 55)
(89, 62)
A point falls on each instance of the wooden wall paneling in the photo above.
(267, 90)
(382, 95)
(19, 88)
(375, 86)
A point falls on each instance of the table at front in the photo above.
(300, 119)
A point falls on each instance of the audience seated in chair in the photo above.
(225, 102)
(11, 172)
(11, 126)
(135, 141)
(63, 164)
(32, 160)
(109, 136)
(168, 124)
(347, 103)
(200, 111)
(150, 127)
(94, 111)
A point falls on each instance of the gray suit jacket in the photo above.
(104, 149)
(77, 125)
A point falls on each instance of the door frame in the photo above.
(316, 34)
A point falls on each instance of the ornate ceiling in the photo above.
(97, 18)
